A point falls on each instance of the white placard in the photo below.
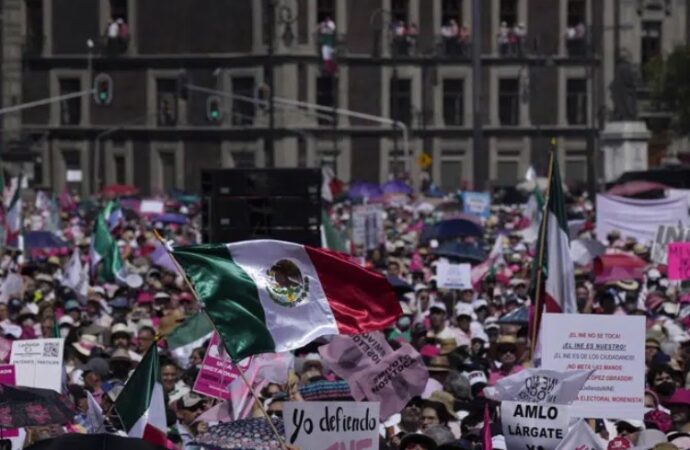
(367, 226)
(38, 363)
(453, 276)
(531, 425)
(152, 207)
(332, 425)
(73, 176)
(611, 345)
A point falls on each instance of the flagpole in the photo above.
(538, 291)
(237, 366)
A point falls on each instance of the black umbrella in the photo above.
(399, 286)
(74, 441)
(459, 252)
(519, 316)
(26, 407)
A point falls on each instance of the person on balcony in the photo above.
(411, 37)
(519, 35)
(400, 43)
(449, 34)
(575, 39)
(464, 39)
(327, 44)
(112, 33)
(122, 34)
(504, 39)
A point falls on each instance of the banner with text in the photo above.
(332, 425)
(613, 346)
(217, 371)
(454, 276)
(38, 363)
(666, 234)
(531, 426)
(679, 261)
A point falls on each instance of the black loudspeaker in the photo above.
(244, 204)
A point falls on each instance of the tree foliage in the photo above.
(669, 82)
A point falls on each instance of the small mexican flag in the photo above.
(104, 251)
(13, 217)
(269, 296)
(190, 335)
(140, 405)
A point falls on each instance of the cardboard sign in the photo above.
(453, 276)
(217, 371)
(613, 346)
(367, 226)
(332, 425)
(665, 235)
(38, 363)
(679, 261)
(477, 204)
(151, 207)
(534, 426)
(8, 377)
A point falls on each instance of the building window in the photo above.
(650, 42)
(244, 159)
(325, 9)
(326, 87)
(451, 170)
(576, 101)
(168, 167)
(508, 12)
(401, 100)
(575, 168)
(120, 169)
(73, 174)
(243, 112)
(328, 158)
(454, 101)
(70, 110)
(34, 27)
(400, 10)
(118, 9)
(396, 162)
(166, 101)
(507, 167)
(509, 101)
(577, 12)
(451, 10)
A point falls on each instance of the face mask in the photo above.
(404, 323)
(666, 388)
(64, 332)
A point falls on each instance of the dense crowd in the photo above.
(108, 326)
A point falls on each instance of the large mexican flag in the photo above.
(272, 296)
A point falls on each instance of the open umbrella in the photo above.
(399, 286)
(396, 187)
(460, 252)
(618, 267)
(43, 239)
(75, 441)
(519, 316)
(636, 187)
(179, 219)
(460, 226)
(117, 190)
(254, 433)
(363, 189)
(26, 407)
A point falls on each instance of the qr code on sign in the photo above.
(51, 350)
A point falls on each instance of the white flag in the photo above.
(75, 276)
(540, 386)
(94, 416)
(580, 437)
(12, 285)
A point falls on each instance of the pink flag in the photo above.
(486, 431)
(397, 378)
(351, 355)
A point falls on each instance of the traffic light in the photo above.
(214, 109)
(103, 89)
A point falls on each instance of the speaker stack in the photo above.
(243, 204)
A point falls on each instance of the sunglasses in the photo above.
(505, 350)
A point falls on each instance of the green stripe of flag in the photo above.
(135, 398)
(230, 298)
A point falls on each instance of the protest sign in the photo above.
(638, 218)
(453, 276)
(534, 426)
(38, 363)
(679, 261)
(73, 176)
(613, 346)
(332, 425)
(217, 371)
(151, 207)
(666, 234)
(367, 226)
(477, 204)
(7, 376)
(581, 437)
(393, 382)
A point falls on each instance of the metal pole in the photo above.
(616, 32)
(477, 136)
(270, 143)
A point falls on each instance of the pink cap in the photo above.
(144, 297)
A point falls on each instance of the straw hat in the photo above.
(85, 344)
(438, 364)
(446, 399)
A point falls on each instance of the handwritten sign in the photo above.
(534, 426)
(38, 363)
(332, 425)
(217, 371)
(679, 261)
(453, 276)
(613, 346)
